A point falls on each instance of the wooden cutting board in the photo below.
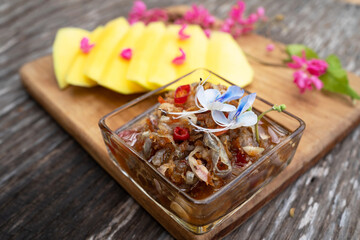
(329, 118)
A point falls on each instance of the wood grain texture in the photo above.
(50, 187)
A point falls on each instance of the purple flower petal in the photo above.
(246, 119)
(245, 103)
(232, 93)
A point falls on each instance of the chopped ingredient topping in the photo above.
(181, 134)
(161, 100)
(241, 159)
(126, 53)
(183, 35)
(85, 45)
(180, 59)
(181, 94)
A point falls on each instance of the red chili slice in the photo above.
(241, 159)
(181, 134)
(161, 100)
(182, 93)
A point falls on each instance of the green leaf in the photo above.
(297, 49)
(333, 61)
(336, 80)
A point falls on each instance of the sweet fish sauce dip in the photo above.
(191, 155)
(199, 163)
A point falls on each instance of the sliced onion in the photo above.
(198, 169)
(166, 128)
(158, 158)
(164, 119)
(146, 134)
(162, 169)
(262, 134)
(218, 153)
(147, 147)
(253, 151)
(273, 135)
(190, 177)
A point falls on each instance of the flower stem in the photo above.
(278, 108)
(263, 62)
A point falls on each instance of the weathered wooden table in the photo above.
(51, 188)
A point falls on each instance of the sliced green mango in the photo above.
(163, 70)
(75, 75)
(195, 49)
(65, 48)
(225, 58)
(96, 62)
(146, 51)
(115, 74)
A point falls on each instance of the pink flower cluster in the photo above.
(200, 16)
(236, 24)
(139, 12)
(308, 72)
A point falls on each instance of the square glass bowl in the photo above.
(197, 216)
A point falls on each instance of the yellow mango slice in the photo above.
(163, 70)
(114, 76)
(225, 58)
(98, 57)
(195, 49)
(146, 51)
(65, 48)
(75, 75)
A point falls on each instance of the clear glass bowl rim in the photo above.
(219, 193)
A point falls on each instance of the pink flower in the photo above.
(155, 15)
(261, 12)
(207, 33)
(237, 11)
(180, 59)
(197, 15)
(253, 18)
(305, 82)
(85, 45)
(126, 53)
(316, 82)
(308, 73)
(270, 47)
(139, 12)
(181, 33)
(302, 80)
(236, 24)
(298, 62)
(316, 67)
